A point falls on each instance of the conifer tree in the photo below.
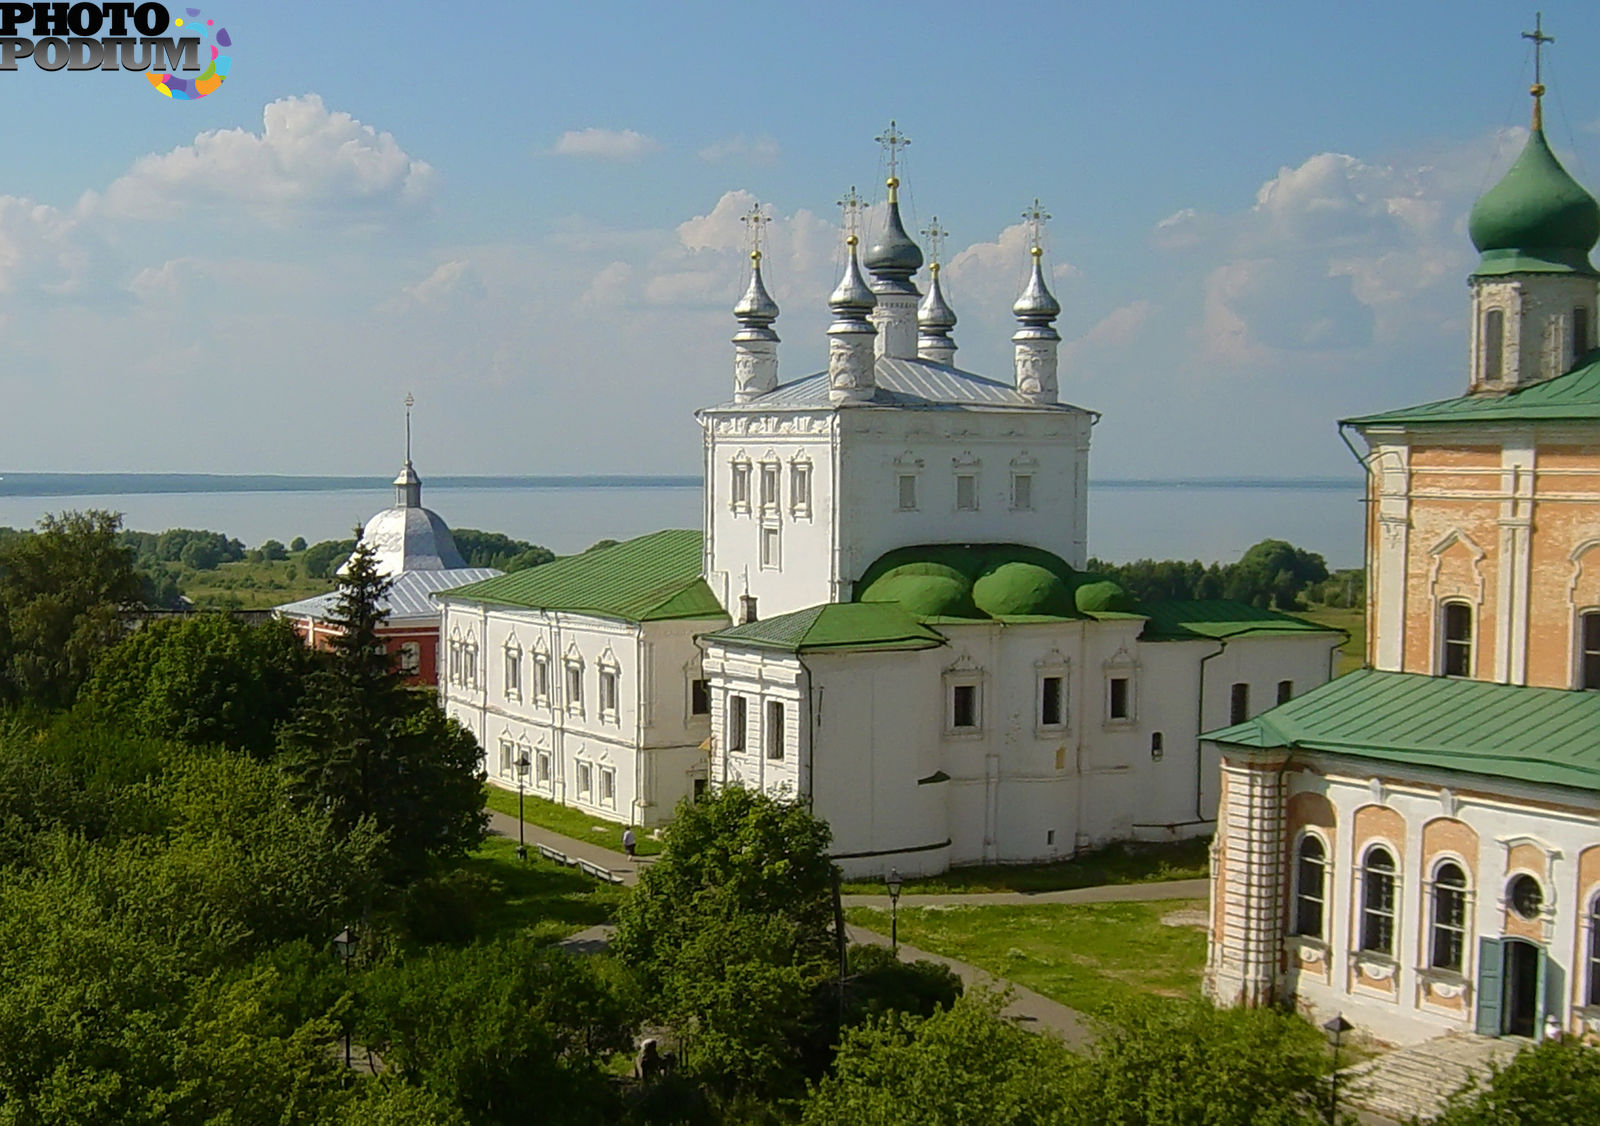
(369, 749)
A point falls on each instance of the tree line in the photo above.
(1272, 574)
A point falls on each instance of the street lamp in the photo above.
(522, 780)
(344, 945)
(1336, 1028)
(893, 882)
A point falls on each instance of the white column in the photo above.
(1246, 947)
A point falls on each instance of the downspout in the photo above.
(813, 721)
(1368, 602)
(639, 803)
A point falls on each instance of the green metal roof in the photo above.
(835, 626)
(1574, 396)
(982, 581)
(1218, 618)
(1537, 219)
(1545, 735)
(651, 578)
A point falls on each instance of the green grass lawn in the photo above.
(535, 896)
(252, 586)
(1353, 653)
(1086, 956)
(1118, 864)
(566, 820)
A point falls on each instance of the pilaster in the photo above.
(1247, 928)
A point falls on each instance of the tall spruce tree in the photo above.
(368, 749)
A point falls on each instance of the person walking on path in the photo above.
(628, 842)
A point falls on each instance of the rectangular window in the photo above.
(769, 548)
(964, 707)
(541, 679)
(508, 756)
(1456, 654)
(800, 488)
(769, 485)
(1239, 704)
(575, 688)
(740, 493)
(1022, 491)
(699, 697)
(608, 691)
(1285, 691)
(1117, 701)
(1052, 701)
(1494, 340)
(469, 664)
(608, 787)
(772, 730)
(1157, 746)
(736, 724)
(514, 673)
(1589, 632)
(1580, 332)
(455, 662)
(585, 782)
(966, 492)
(908, 492)
(542, 768)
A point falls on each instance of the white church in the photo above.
(885, 615)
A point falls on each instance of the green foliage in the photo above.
(297, 544)
(494, 549)
(598, 544)
(62, 592)
(273, 550)
(363, 747)
(1555, 1083)
(879, 982)
(1270, 574)
(507, 1032)
(208, 679)
(323, 559)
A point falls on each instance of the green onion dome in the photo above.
(1537, 219)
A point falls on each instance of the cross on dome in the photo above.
(754, 220)
(1035, 217)
(893, 141)
(1537, 90)
(851, 204)
(935, 235)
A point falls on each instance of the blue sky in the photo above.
(527, 215)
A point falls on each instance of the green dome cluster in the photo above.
(987, 581)
(1537, 219)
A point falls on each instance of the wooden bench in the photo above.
(598, 872)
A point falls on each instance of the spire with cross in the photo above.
(1035, 217)
(410, 402)
(1539, 39)
(851, 204)
(754, 220)
(935, 235)
(893, 141)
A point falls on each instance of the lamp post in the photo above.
(1335, 1028)
(344, 945)
(893, 882)
(522, 780)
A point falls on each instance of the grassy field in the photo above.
(1119, 864)
(566, 821)
(252, 586)
(546, 900)
(1352, 654)
(1086, 956)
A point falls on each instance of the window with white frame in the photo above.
(513, 674)
(699, 696)
(508, 756)
(736, 724)
(608, 787)
(1455, 633)
(410, 658)
(541, 768)
(964, 706)
(907, 483)
(1021, 491)
(770, 548)
(769, 486)
(772, 730)
(739, 490)
(585, 780)
(574, 685)
(1589, 649)
(1052, 701)
(541, 677)
(1447, 927)
(1593, 993)
(966, 492)
(455, 660)
(1378, 881)
(608, 692)
(1119, 698)
(1310, 886)
(469, 663)
(800, 487)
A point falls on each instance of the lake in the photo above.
(1161, 519)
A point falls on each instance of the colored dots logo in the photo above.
(213, 40)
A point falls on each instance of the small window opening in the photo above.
(964, 706)
(1239, 704)
(1494, 339)
(1051, 700)
(1119, 697)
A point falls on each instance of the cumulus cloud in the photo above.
(455, 277)
(306, 162)
(604, 144)
(39, 247)
(759, 149)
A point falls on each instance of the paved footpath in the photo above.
(1108, 893)
(504, 825)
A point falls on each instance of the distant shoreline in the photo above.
(137, 484)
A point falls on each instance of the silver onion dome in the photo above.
(756, 309)
(934, 313)
(1036, 307)
(853, 299)
(893, 258)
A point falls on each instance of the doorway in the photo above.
(1520, 1000)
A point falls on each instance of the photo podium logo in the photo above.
(180, 56)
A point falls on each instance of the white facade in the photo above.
(604, 709)
(876, 743)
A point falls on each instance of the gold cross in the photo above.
(754, 220)
(1036, 217)
(935, 235)
(851, 205)
(892, 141)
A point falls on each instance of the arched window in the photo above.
(1448, 940)
(1494, 340)
(1455, 628)
(1594, 951)
(1589, 649)
(1377, 901)
(1310, 875)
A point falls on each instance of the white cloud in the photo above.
(605, 144)
(308, 162)
(449, 279)
(39, 247)
(759, 149)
